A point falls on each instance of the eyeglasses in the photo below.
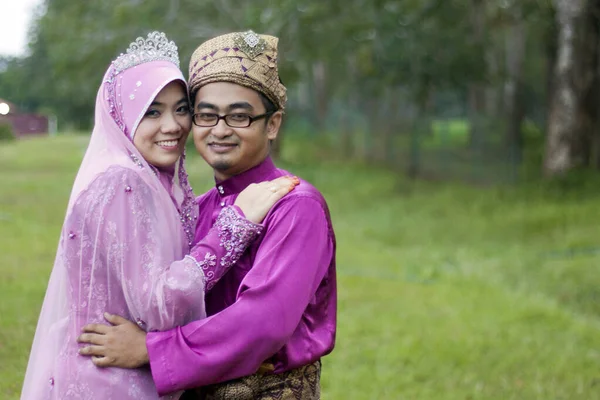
(207, 120)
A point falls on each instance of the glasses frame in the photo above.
(251, 119)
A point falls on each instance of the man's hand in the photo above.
(121, 345)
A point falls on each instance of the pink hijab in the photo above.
(127, 229)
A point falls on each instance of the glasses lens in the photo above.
(238, 120)
(206, 119)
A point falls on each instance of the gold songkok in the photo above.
(244, 58)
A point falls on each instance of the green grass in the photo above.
(445, 291)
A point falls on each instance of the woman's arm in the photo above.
(129, 243)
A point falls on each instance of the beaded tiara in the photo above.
(154, 48)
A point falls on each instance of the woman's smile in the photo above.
(172, 144)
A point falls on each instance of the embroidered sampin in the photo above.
(250, 43)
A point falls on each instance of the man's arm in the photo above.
(123, 344)
(210, 258)
(291, 262)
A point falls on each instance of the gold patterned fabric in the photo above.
(244, 58)
(299, 384)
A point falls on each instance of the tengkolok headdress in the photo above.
(244, 58)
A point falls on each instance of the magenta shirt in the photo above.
(277, 304)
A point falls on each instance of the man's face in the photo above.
(231, 151)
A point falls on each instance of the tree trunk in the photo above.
(321, 94)
(348, 130)
(572, 116)
(494, 105)
(477, 90)
(389, 129)
(347, 118)
(513, 89)
(595, 99)
(551, 52)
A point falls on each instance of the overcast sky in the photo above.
(15, 17)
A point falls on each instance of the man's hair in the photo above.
(270, 107)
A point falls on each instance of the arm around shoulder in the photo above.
(294, 255)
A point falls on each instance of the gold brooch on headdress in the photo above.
(250, 43)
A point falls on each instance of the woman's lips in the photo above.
(172, 144)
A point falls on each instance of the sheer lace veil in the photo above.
(74, 296)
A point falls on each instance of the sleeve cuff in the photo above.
(235, 216)
(159, 366)
(238, 211)
(241, 214)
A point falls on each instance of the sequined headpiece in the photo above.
(244, 58)
(154, 48)
(146, 67)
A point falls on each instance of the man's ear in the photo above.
(274, 124)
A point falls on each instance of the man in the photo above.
(273, 316)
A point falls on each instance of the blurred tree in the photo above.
(514, 85)
(573, 121)
(378, 65)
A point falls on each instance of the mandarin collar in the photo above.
(236, 184)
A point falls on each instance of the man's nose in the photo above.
(221, 129)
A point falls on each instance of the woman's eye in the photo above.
(183, 110)
(152, 113)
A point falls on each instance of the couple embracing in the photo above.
(156, 293)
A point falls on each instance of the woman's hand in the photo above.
(258, 198)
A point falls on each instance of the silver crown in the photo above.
(154, 48)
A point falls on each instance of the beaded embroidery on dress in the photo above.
(123, 242)
(123, 245)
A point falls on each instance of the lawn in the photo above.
(445, 291)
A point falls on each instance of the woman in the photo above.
(129, 226)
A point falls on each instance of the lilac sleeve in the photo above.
(289, 265)
(224, 244)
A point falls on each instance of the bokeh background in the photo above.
(456, 141)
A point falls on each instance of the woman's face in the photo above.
(162, 132)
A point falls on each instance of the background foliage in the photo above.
(384, 81)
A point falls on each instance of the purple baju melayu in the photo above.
(277, 304)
